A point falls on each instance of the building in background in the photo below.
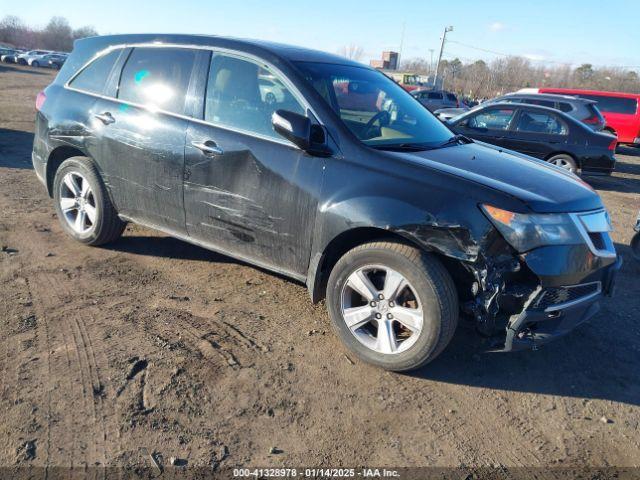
(389, 61)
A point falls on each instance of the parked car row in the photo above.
(34, 58)
(568, 131)
(542, 132)
(620, 110)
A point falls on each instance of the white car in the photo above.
(271, 91)
(32, 57)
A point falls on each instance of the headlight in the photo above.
(525, 232)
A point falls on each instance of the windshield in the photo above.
(375, 108)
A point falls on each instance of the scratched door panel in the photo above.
(257, 199)
(143, 161)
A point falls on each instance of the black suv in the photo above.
(581, 109)
(340, 179)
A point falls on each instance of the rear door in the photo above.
(142, 132)
(538, 133)
(248, 191)
(489, 125)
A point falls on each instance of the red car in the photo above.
(620, 110)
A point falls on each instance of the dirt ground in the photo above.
(154, 346)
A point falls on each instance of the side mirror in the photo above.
(299, 130)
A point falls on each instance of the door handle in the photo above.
(209, 148)
(105, 118)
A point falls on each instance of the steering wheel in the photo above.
(382, 116)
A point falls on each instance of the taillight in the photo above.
(612, 145)
(40, 99)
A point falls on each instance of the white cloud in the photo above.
(497, 26)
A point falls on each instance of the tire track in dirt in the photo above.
(52, 289)
(87, 367)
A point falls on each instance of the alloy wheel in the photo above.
(381, 309)
(77, 202)
(563, 163)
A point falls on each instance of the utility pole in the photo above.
(444, 37)
(431, 62)
(401, 45)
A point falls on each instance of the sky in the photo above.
(546, 31)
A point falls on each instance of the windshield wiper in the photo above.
(403, 147)
(458, 139)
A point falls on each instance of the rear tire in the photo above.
(565, 161)
(83, 204)
(416, 321)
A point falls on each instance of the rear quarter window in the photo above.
(614, 104)
(94, 77)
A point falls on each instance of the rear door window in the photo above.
(452, 97)
(94, 77)
(498, 119)
(614, 104)
(434, 96)
(540, 122)
(157, 77)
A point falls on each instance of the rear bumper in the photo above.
(534, 327)
(598, 165)
(40, 167)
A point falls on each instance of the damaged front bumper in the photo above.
(534, 297)
(555, 311)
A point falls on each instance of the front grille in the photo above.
(552, 297)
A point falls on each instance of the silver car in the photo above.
(32, 57)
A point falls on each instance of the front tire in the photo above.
(35, 63)
(393, 305)
(83, 204)
(565, 161)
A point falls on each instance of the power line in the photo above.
(502, 54)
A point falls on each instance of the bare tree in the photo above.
(56, 35)
(482, 79)
(352, 52)
(84, 32)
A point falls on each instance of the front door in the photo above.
(143, 141)
(248, 191)
(490, 125)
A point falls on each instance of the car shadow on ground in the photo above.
(618, 183)
(15, 148)
(8, 67)
(598, 360)
(167, 247)
(626, 150)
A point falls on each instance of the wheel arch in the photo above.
(323, 262)
(56, 157)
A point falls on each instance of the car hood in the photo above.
(542, 187)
